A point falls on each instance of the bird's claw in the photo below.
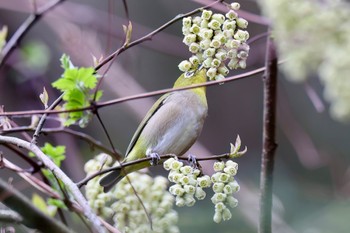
(192, 160)
(155, 158)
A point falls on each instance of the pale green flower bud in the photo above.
(180, 201)
(206, 14)
(235, 6)
(176, 190)
(205, 44)
(233, 63)
(189, 200)
(242, 55)
(219, 166)
(229, 25)
(196, 20)
(234, 44)
(217, 217)
(187, 22)
(186, 170)
(242, 23)
(218, 197)
(214, 24)
(220, 206)
(231, 201)
(176, 165)
(195, 29)
(230, 163)
(206, 33)
(190, 38)
(204, 23)
(99, 203)
(194, 47)
(196, 172)
(219, 17)
(215, 44)
(234, 185)
(232, 53)
(194, 60)
(241, 35)
(215, 63)
(219, 77)
(223, 70)
(228, 34)
(222, 56)
(177, 177)
(185, 66)
(204, 181)
(184, 180)
(228, 189)
(218, 187)
(224, 177)
(231, 15)
(242, 64)
(190, 189)
(220, 37)
(200, 193)
(230, 170)
(211, 72)
(215, 177)
(107, 212)
(186, 31)
(226, 214)
(207, 62)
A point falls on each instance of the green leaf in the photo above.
(40, 203)
(86, 75)
(65, 62)
(55, 153)
(57, 203)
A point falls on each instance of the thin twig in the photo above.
(138, 96)
(269, 140)
(24, 29)
(71, 187)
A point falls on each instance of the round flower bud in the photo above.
(234, 185)
(190, 189)
(214, 24)
(219, 166)
(218, 197)
(229, 25)
(222, 55)
(219, 77)
(219, 17)
(184, 66)
(186, 170)
(211, 72)
(242, 23)
(232, 53)
(226, 214)
(223, 70)
(235, 6)
(195, 29)
(177, 177)
(179, 201)
(189, 200)
(231, 15)
(230, 170)
(196, 20)
(215, 63)
(186, 31)
(204, 44)
(228, 34)
(218, 187)
(167, 163)
(234, 44)
(204, 181)
(194, 60)
(231, 201)
(228, 189)
(224, 177)
(194, 47)
(233, 63)
(206, 33)
(200, 193)
(187, 21)
(215, 44)
(230, 163)
(207, 62)
(204, 23)
(206, 14)
(242, 64)
(217, 217)
(190, 38)
(176, 165)
(242, 55)
(184, 180)
(241, 35)
(220, 206)
(196, 172)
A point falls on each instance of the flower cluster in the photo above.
(312, 44)
(214, 40)
(224, 185)
(125, 208)
(188, 182)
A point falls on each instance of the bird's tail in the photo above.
(108, 181)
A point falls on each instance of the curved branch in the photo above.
(71, 187)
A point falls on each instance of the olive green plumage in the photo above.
(171, 126)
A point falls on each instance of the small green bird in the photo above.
(171, 126)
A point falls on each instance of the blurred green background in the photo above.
(312, 175)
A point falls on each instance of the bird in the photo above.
(171, 126)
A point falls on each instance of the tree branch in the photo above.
(71, 187)
(269, 144)
(32, 217)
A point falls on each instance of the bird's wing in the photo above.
(160, 102)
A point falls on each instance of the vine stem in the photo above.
(269, 140)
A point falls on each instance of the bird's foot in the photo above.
(193, 161)
(155, 158)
